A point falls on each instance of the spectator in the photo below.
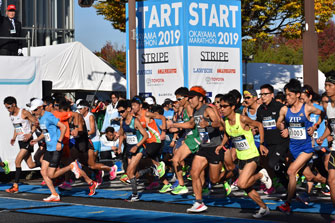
(10, 27)
(112, 117)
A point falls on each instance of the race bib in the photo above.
(269, 124)
(298, 133)
(241, 143)
(45, 132)
(332, 125)
(18, 128)
(131, 139)
(204, 137)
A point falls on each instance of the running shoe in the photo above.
(133, 198)
(185, 169)
(174, 178)
(175, 184)
(65, 186)
(325, 191)
(13, 190)
(43, 183)
(197, 207)
(227, 188)
(318, 185)
(269, 191)
(189, 177)
(262, 187)
(124, 179)
(152, 186)
(262, 212)
(112, 173)
(161, 169)
(234, 186)
(52, 198)
(285, 208)
(266, 179)
(6, 167)
(166, 188)
(75, 168)
(99, 177)
(303, 198)
(92, 188)
(179, 190)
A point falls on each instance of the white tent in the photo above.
(275, 74)
(71, 66)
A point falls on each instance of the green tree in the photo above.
(260, 18)
(114, 55)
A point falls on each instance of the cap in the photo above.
(11, 8)
(35, 104)
(250, 92)
(197, 91)
(149, 100)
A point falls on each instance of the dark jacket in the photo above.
(5, 27)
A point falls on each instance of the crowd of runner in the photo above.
(255, 142)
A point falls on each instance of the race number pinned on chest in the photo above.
(45, 132)
(332, 125)
(241, 143)
(269, 123)
(204, 137)
(297, 131)
(131, 139)
(18, 128)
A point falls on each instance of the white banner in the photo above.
(187, 43)
(216, 69)
(19, 77)
(159, 68)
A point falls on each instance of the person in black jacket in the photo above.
(10, 27)
(275, 141)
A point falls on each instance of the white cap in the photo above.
(149, 100)
(35, 104)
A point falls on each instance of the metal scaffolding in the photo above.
(48, 21)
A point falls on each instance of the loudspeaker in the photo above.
(46, 88)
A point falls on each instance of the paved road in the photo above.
(80, 214)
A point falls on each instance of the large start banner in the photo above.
(187, 43)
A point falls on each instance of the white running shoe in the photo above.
(197, 207)
(52, 198)
(262, 212)
(266, 179)
(75, 168)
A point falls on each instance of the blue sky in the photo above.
(93, 31)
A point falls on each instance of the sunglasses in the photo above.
(224, 106)
(261, 94)
(9, 107)
(122, 111)
(181, 98)
(247, 97)
(56, 105)
(330, 79)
